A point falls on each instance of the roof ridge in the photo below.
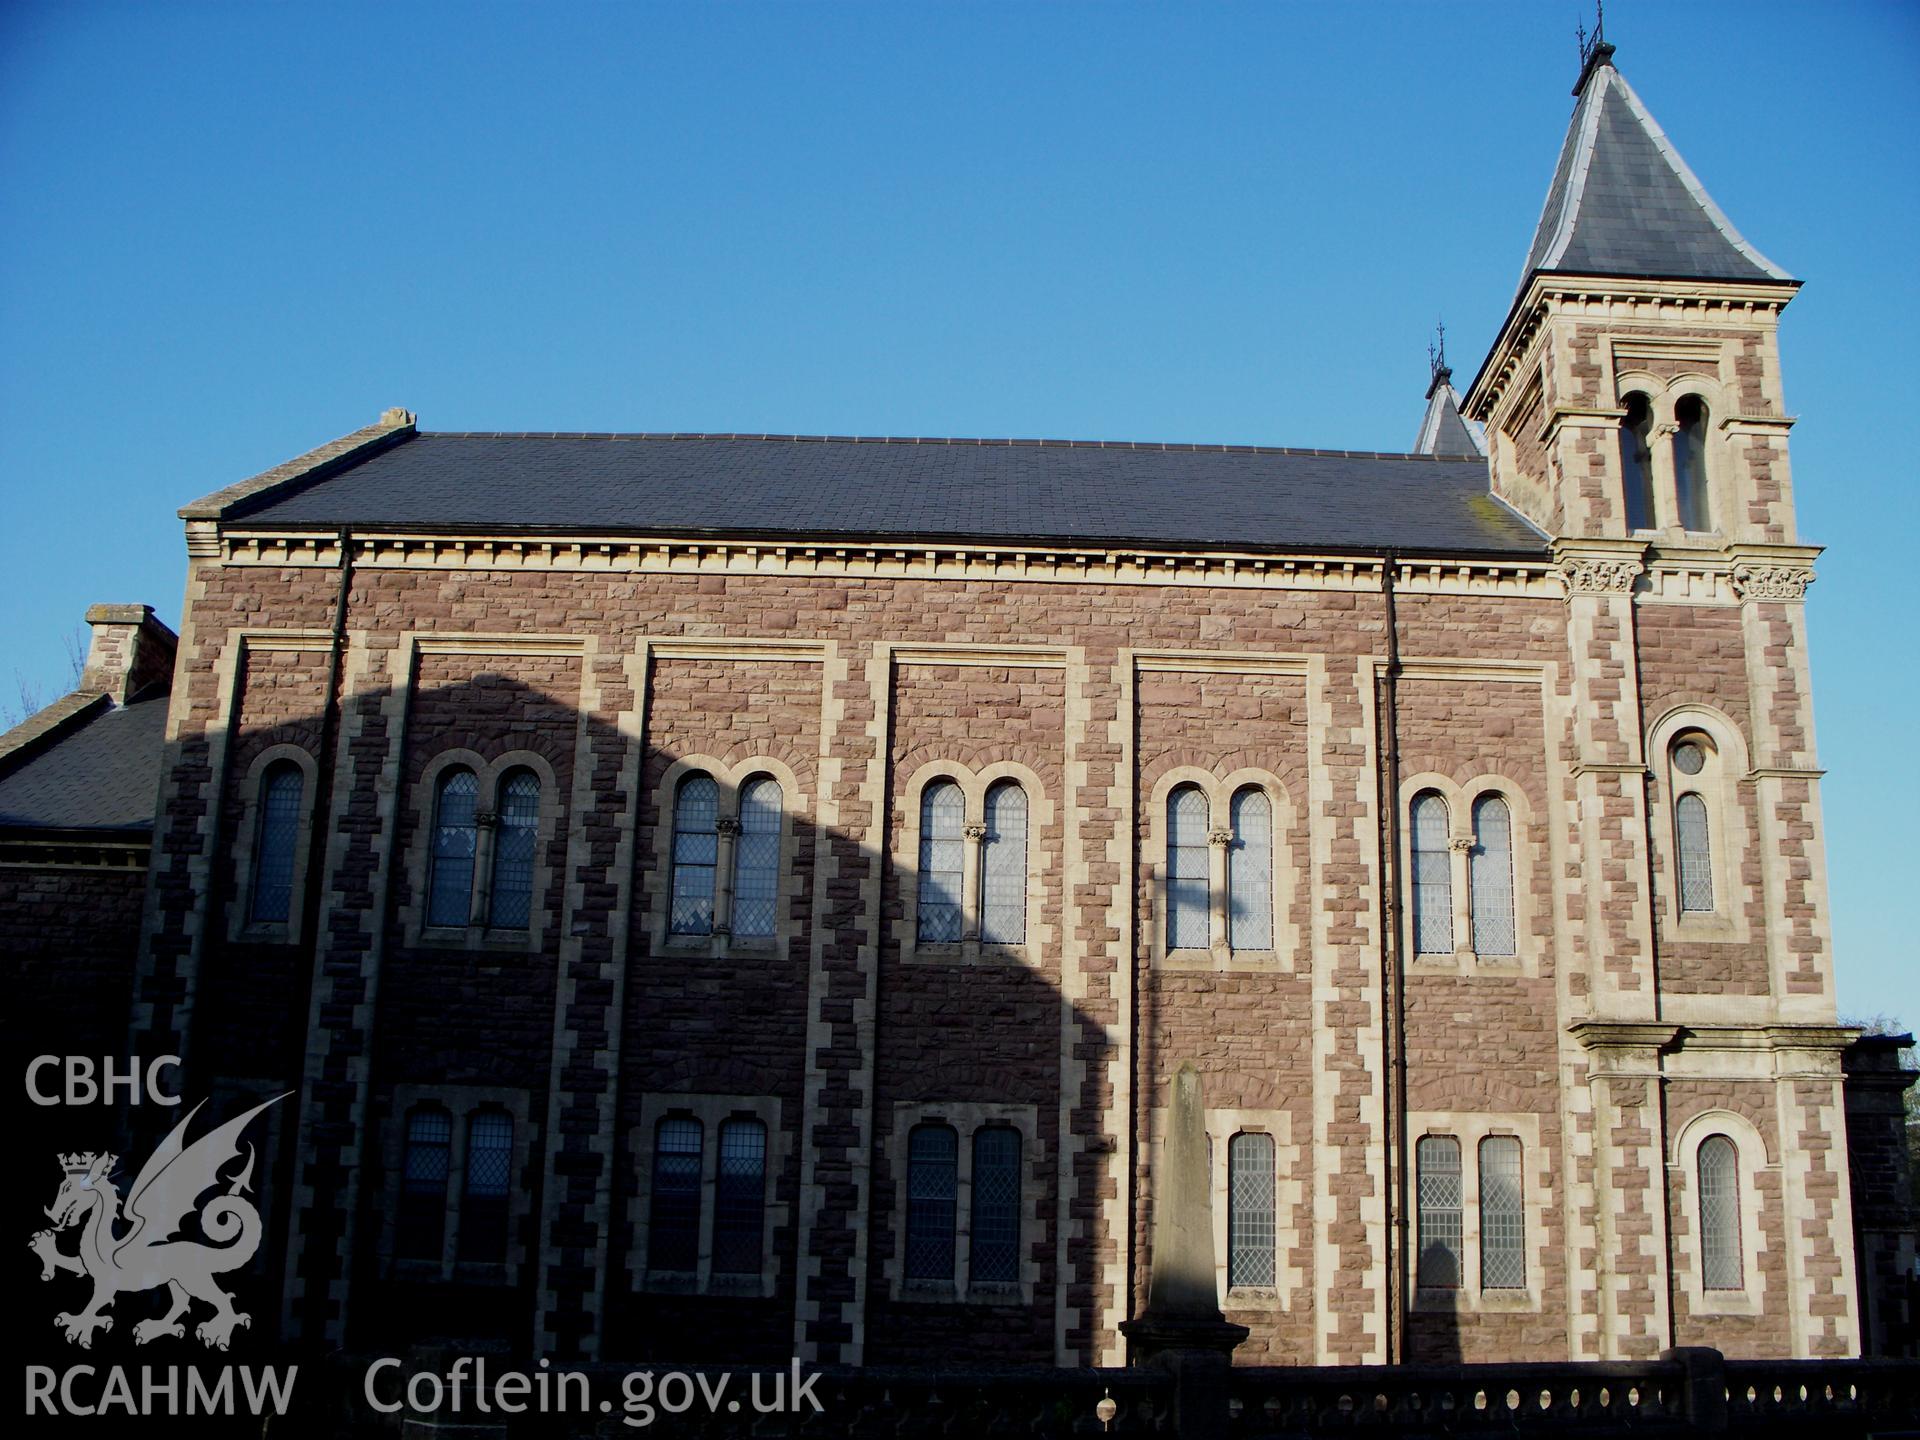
(1163, 446)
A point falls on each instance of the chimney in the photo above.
(130, 651)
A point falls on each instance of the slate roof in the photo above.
(843, 486)
(102, 775)
(1623, 202)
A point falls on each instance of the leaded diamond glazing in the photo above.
(1720, 1262)
(483, 1212)
(942, 862)
(513, 847)
(756, 861)
(1696, 854)
(420, 1220)
(1491, 871)
(455, 840)
(994, 1239)
(1250, 1210)
(1250, 873)
(1437, 1159)
(673, 1228)
(932, 1153)
(1503, 1233)
(1432, 877)
(279, 830)
(739, 1202)
(1003, 899)
(1187, 869)
(696, 852)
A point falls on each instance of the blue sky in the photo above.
(228, 233)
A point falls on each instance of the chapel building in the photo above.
(719, 897)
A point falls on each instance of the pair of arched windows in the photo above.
(1249, 877)
(426, 1170)
(1441, 1262)
(275, 844)
(1688, 455)
(453, 870)
(679, 1185)
(993, 1221)
(1490, 911)
(940, 909)
(745, 847)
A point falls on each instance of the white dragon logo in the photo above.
(148, 1255)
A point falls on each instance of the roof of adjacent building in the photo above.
(97, 770)
(1623, 202)
(847, 486)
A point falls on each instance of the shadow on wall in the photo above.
(464, 1096)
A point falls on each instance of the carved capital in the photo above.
(1599, 575)
(1220, 837)
(976, 832)
(1460, 845)
(1771, 582)
(727, 825)
(485, 819)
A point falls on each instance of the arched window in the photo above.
(420, 1223)
(943, 812)
(1696, 855)
(483, 1206)
(756, 861)
(273, 853)
(1503, 1226)
(455, 841)
(1250, 872)
(1491, 872)
(1692, 842)
(994, 1228)
(1437, 1162)
(511, 901)
(1003, 866)
(1690, 463)
(1250, 1218)
(1432, 877)
(673, 1226)
(1187, 865)
(1720, 1264)
(740, 1198)
(1636, 461)
(696, 853)
(932, 1154)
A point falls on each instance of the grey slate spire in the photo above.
(1623, 202)
(1442, 430)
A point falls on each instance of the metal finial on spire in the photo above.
(1437, 352)
(1594, 49)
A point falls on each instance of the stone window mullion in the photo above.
(456, 1187)
(1666, 493)
(709, 1190)
(1460, 855)
(480, 895)
(1218, 844)
(975, 834)
(728, 827)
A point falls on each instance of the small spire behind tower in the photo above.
(1442, 430)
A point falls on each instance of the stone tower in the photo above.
(1633, 410)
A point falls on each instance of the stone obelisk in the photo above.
(1182, 1330)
